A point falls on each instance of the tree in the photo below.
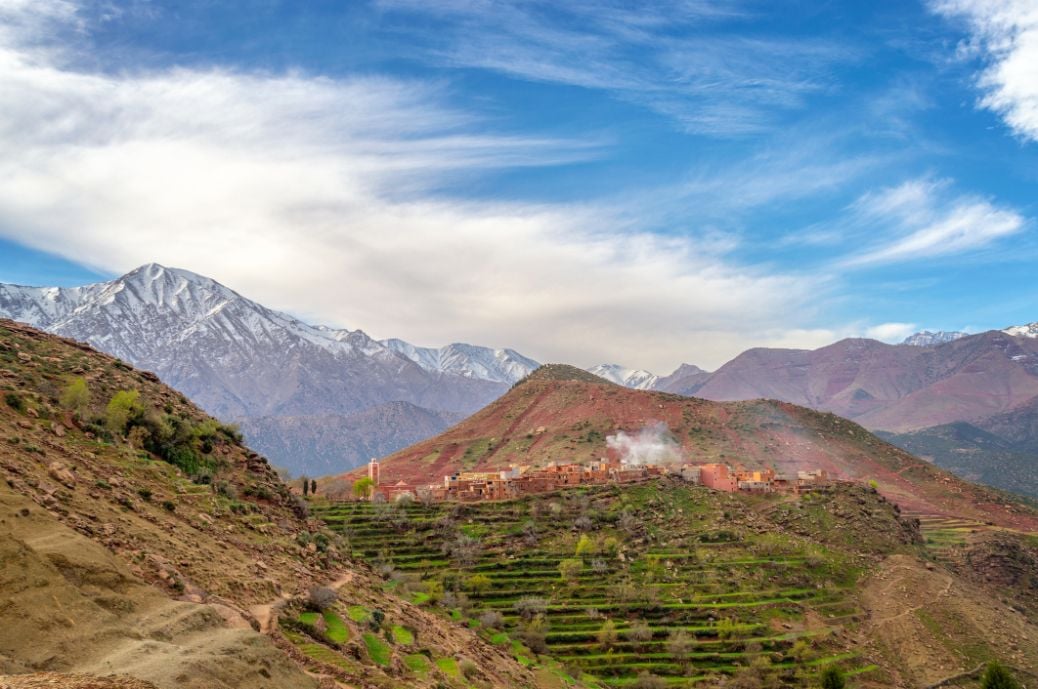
(535, 634)
(123, 404)
(570, 569)
(640, 631)
(478, 583)
(679, 645)
(306, 486)
(362, 487)
(607, 635)
(832, 678)
(313, 486)
(76, 396)
(997, 676)
(585, 546)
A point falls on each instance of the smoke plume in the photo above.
(653, 444)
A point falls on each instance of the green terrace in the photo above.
(614, 582)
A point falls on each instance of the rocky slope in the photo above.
(563, 414)
(141, 538)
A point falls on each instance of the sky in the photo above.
(591, 181)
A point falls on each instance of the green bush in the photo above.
(14, 401)
(76, 396)
(832, 678)
(997, 677)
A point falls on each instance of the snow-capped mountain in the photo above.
(928, 338)
(1029, 330)
(240, 360)
(469, 361)
(628, 377)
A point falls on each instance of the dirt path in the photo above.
(897, 581)
(267, 613)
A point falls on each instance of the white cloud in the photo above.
(920, 219)
(318, 196)
(1006, 32)
(891, 332)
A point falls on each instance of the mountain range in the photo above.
(284, 381)
(319, 400)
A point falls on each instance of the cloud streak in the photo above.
(656, 56)
(921, 220)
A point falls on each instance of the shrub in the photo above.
(321, 598)
(647, 680)
(491, 619)
(528, 607)
(478, 583)
(832, 678)
(570, 569)
(169, 506)
(121, 407)
(76, 396)
(997, 677)
(14, 401)
(585, 546)
(606, 635)
(535, 634)
(640, 631)
(468, 668)
(145, 494)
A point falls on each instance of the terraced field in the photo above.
(664, 579)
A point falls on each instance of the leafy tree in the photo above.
(478, 583)
(997, 676)
(606, 635)
(76, 396)
(313, 486)
(585, 546)
(306, 486)
(832, 678)
(123, 405)
(362, 487)
(322, 597)
(570, 569)
(535, 634)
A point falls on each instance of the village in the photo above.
(519, 481)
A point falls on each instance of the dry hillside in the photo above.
(140, 538)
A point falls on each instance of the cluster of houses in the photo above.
(517, 481)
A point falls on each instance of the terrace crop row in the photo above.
(614, 582)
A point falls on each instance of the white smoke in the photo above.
(653, 444)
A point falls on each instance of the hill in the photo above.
(559, 414)
(141, 538)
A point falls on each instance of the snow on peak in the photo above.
(631, 378)
(928, 338)
(1028, 330)
(469, 361)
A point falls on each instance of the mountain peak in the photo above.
(928, 338)
(629, 378)
(565, 372)
(1027, 330)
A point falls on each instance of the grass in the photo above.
(378, 651)
(449, 667)
(358, 614)
(402, 636)
(335, 629)
(417, 663)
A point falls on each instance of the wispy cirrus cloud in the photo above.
(654, 54)
(923, 219)
(1005, 33)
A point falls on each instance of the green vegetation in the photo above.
(832, 678)
(362, 487)
(402, 635)
(997, 677)
(76, 396)
(640, 584)
(335, 629)
(377, 650)
(449, 667)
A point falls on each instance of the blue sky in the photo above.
(581, 181)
